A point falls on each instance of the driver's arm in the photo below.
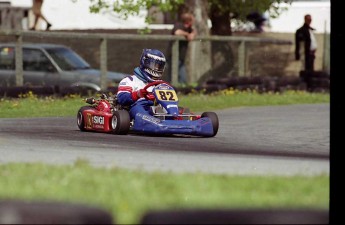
(127, 94)
(124, 93)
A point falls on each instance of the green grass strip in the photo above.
(30, 105)
(128, 194)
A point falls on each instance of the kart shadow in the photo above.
(163, 135)
(132, 133)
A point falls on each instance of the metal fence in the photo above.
(103, 41)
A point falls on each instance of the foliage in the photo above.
(125, 8)
(240, 8)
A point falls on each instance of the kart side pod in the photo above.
(90, 119)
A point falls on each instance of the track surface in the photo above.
(276, 140)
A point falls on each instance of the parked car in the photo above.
(51, 65)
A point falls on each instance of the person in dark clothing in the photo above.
(258, 19)
(184, 28)
(306, 36)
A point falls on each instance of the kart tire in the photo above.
(120, 122)
(214, 119)
(80, 118)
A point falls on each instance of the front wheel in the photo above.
(214, 120)
(120, 122)
(80, 118)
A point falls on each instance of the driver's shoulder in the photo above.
(136, 80)
(128, 80)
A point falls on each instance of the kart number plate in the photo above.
(166, 95)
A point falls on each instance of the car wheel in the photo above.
(214, 119)
(120, 122)
(80, 118)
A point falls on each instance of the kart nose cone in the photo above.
(173, 110)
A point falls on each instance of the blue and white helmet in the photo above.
(152, 64)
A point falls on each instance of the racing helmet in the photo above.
(152, 64)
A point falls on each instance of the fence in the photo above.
(103, 40)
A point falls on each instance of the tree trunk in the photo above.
(220, 21)
(222, 55)
(198, 55)
(207, 60)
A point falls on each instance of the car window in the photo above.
(7, 58)
(36, 60)
(67, 59)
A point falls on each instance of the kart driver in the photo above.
(131, 90)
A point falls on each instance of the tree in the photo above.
(219, 12)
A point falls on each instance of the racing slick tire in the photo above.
(80, 117)
(120, 122)
(214, 119)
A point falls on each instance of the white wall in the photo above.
(66, 14)
(293, 18)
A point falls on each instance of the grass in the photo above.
(127, 194)
(234, 98)
(32, 106)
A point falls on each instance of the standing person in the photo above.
(305, 34)
(37, 11)
(184, 28)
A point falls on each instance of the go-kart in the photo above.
(165, 117)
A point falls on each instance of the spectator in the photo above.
(37, 11)
(184, 28)
(305, 35)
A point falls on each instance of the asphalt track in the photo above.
(274, 140)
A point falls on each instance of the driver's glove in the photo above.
(139, 94)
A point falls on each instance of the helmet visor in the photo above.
(155, 65)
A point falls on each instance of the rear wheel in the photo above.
(214, 119)
(80, 117)
(120, 122)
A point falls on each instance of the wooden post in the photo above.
(103, 64)
(242, 59)
(19, 60)
(174, 64)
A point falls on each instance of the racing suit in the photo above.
(127, 94)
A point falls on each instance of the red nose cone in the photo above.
(103, 106)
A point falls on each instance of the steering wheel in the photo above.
(149, 95)
(155, 83)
